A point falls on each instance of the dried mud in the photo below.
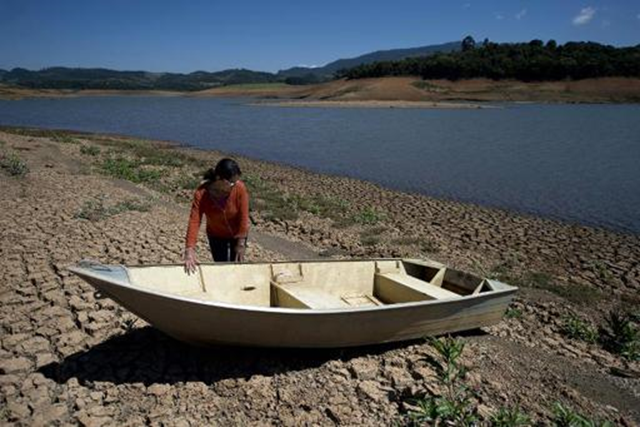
(68, 358)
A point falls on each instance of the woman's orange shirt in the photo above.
(228, 221)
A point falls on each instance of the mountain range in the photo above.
(101, 78)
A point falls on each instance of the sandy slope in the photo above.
(615, 89)
(415, 89)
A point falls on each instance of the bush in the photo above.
(513, 313)
(13, 165)
(567, 417)
(455, 406)
(65, 139)
(368, 216)
(190, 182)
(576, 328)
(621, 335)
(510, 417)
(90, 150)
(131, 170)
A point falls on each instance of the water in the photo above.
(578, 163)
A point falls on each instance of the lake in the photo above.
(577, 163)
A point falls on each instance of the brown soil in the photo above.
(68, 358)
(412, 89)
(415, 89)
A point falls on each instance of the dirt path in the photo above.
(68, 358)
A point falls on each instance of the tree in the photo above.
(468, 43)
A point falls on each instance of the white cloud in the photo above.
(606, 23)
(638, 16)
(585, 16)
(466, 5)
(521, 14)
(499, 16)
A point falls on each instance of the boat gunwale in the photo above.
(81, 271)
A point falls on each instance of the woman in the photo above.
(224, 200)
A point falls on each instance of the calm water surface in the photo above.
(578, 163)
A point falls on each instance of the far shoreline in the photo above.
(388, 92)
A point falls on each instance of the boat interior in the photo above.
(314, 285)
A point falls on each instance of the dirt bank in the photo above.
(69, 358)
(406, 89)
(414, 89)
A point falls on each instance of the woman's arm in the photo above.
(243, 229)
(195, 218)
(243, 208)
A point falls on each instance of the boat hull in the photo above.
(210, 323)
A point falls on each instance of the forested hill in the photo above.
(100, 78)
(533, 61)
(328, 71)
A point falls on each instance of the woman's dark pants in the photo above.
(222, 250)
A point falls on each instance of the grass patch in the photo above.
(90, 150)
(577, 328)
(13, 165)
(428, 86)
(621, 335)
(368, 216)
(190, 182)
(322, 206)
(64, 139)
(131, 170)
(513, 313)
(254, 86)
(574, 292)
(96, 210)
(602, 271)
(510, 417)
(455, 406)
(564, 416)
(148, 153)
(274, 204)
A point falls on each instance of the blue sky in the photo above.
(185, 36)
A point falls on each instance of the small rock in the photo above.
(159, 389)
(45, 359)
(15, 365)
(364, 369)
(371, 390)
(19, 411)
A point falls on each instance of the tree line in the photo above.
(99, 78)
(532, 61)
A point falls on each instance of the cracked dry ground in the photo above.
(68, 358)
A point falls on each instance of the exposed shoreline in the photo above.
(373, 92)
(374, 104)
(66, 356)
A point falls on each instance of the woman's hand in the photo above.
(240, 249)
(190, 261)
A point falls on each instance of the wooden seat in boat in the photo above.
(399, 287)
(298, 295)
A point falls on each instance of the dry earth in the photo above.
(67, 358)
(407, 89)
(414, 89)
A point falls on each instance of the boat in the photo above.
(312, 304)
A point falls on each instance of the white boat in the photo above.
(327, 303)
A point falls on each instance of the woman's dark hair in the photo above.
(225, 169)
